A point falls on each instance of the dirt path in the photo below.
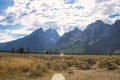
(58, 77)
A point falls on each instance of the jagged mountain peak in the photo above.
(38, 30)
(99, 22)
(97, 25)
(51, 30)
(98, 37)
(117, 23)
(52, 34)
(69, 36)
(37, 41)
(76, 29)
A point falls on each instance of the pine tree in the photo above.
(18, 50)
(13, 50)
(28, 51)
(46, 52)
(21, 50)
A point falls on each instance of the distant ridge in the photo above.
(97, 38)
(37, 41)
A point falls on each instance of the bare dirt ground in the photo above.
(58, 76)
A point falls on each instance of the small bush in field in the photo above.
(83, 66)
(106, 64)
(58, 66)
(112, 66)
(24, 69)
(70, 72)
(116, 61)
(11, 70)
(38, 70)
(91, 61)
(70, 63)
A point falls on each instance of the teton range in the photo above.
(98, 37)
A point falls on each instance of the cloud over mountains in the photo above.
(29, 15)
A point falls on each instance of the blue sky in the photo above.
(19, 18)
(4, 5)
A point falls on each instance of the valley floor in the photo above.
(73, 67)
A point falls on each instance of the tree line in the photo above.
(20, 50)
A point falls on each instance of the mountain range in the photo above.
(97, 38)
(37, 41)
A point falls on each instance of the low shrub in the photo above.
(106, 64)
(83, 66)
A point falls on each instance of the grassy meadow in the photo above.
(73, 67)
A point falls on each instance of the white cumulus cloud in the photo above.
(5, 37)
(59, 14)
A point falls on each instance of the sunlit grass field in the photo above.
(73, 67)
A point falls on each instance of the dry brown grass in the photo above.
(42, 67)
(99, 74)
